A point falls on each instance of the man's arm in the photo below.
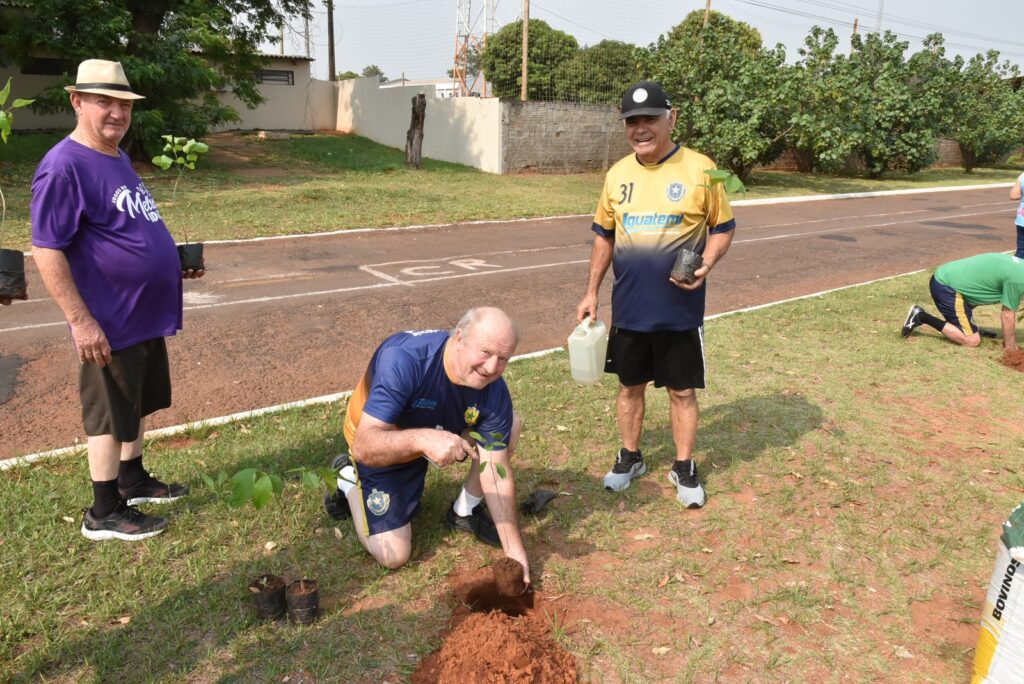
(1008, 317)
(600, 260)
(718, 245)
(90, 340)
(378, 444)
(1015, 188)
(500, 494)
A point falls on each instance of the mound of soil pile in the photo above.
(1014, 359)
(497, 639)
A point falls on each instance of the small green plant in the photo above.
(181, 153)
(494, 443)
(255, 486)
(6, 126)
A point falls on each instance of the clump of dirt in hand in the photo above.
(1014, 359)
(508, 577)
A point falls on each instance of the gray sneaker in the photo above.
(627, 466)
(124, 522)
(688, 490)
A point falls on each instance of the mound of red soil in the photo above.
(1014, 359)
(497, 639)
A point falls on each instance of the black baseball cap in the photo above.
(646, 98)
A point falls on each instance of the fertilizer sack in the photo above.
(999, 656)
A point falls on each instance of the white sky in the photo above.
(417, 37)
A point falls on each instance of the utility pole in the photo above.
(281, 29)
(330, 42)
(526, 47)
(306, 31)
(855, 25)
(707, 12)
(881, 4)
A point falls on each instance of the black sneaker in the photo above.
(627, 466)
(152, 490)
(125, 522)
(336, 505)
(478, 522)
(913, 320)
(987, 334)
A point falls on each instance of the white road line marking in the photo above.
(328, 398)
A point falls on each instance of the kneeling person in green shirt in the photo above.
(959, 286)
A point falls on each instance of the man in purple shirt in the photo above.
(109, 262)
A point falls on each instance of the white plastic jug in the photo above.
(588, 345)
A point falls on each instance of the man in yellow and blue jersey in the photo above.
(423, 393)
(654, 203)
(959, 286)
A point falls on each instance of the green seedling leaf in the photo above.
(242, 484)
(5, 125)
(501, 470)
(5, 92)
(200, 147)
(179, 142)
(190, 165)
(262, 491)
(21, 102)
(716, 176)
(168, 138)
(477, 436)
(168, 148)
(208, 481)
(483, 466)
(734, 184)
(163, 161)
(310, 479)
(278, 484)
(192, 157)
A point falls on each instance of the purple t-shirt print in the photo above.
(96, 209)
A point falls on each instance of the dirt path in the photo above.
(284, 320)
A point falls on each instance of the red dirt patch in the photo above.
(497, 639)
(1013, 359)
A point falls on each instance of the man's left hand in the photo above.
(698, 279)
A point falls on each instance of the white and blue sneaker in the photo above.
(627, 466)
(688, 490)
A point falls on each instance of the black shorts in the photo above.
(670, 358)
(135, 383)
(953, 307)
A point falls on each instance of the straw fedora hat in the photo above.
(103, 78)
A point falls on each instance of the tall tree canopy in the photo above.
(501, 60)
(599, 73)
(730, 92)
(175, 52)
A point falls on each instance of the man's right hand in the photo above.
(587, 307)
(445, 448)
(91, 342)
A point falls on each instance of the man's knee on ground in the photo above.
(972, 340)
(390, 549)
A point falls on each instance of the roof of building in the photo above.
(417, 82)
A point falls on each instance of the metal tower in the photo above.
(467, 40)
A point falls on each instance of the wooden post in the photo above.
(526, 47)
(330, 42)
(707, 12)
(414, 138)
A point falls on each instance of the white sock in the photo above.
(466, 502)
(346, 479)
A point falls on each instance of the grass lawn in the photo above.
(856, 485)
(316, 183)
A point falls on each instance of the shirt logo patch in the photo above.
(676, 191)
(378, 502)
(424, 404)
(472, 415)
(139, 203)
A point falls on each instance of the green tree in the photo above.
(501, 60)
(821, 132)
(730, 92)
(175, 52)
(897, 104)
(599, 73)
(986, 119)
(374, 70)
(345, 75)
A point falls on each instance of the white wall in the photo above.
(464, 130)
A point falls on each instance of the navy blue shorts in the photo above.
(953, 306)
(391, 495)
(671, 358)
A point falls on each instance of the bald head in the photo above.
(482, 343)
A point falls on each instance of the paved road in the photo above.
(282, 320)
